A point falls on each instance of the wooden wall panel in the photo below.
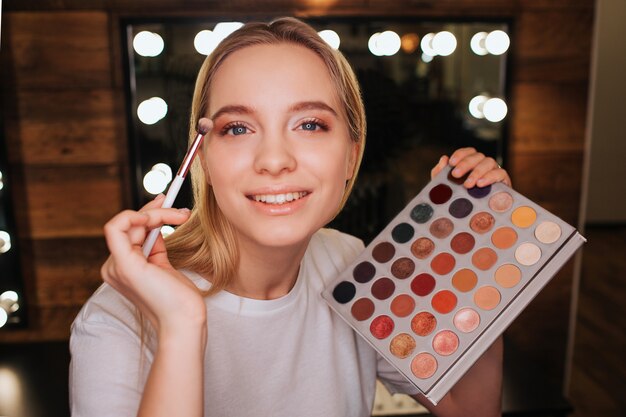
(552, 45)
(69, 201)
(54, 51)
(548, 117)
(65, 127)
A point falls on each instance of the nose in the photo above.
(274, 155)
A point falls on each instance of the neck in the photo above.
(266, 273)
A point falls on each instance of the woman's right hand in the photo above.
(169, 300)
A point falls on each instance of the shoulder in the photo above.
(107, 309)
(331, 251)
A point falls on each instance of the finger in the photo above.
(493, 176)
(460, 154)
(443, 162)
(467, 164)
(479, 170)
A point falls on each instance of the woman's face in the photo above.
(279, 154)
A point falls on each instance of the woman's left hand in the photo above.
(482, 170)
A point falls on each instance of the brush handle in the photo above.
(167, 203)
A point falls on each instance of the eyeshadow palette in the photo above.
(446, 277)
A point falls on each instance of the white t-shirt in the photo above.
(291, 356)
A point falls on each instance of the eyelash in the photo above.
(323, 126)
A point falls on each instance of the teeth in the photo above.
(278, 198)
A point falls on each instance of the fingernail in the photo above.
(160, 195)
(456, 172)
(184, 210)
(452, 161)
(469, 181)
(481, 182)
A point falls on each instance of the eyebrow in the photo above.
(304, 105)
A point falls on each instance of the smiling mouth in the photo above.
(278, 199)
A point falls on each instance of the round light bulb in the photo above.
(477, 43)
(497, 42)
(426, 45)
(389, 42)
(444, 43)
(476, 105)
(205, 42)
(5, 241)
(155, 182)
(166, 230)
(3, 317)
(495, 109)
(372, 45)
(164, 168)
(330, 37)
(426, 58)
(9, 295)
(223, 29)
(148, 44)
(152, 110)
(409, 42)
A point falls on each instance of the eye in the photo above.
(313, 125)
(234, 129)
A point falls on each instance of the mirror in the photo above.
(428, 87)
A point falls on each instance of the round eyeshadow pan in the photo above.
(364, 272)
(482, 222)
(424, 365)
(548, 232)
(466, 320)
(445, 343)
(383, 252)
(444, 301)
(422, 213)
(508, 276)
(423, 284)
(484, 258)
(402, 268)
(460, 208)
(487, 297)
(422, 248)
(440, 194)
(504, 237)
(523, 216)
(501, 202)
(464, 280)
(528, 254)
(381, 327)
(462, 243)
(402, 233)
(383, 288)
(362, 309)
(423, 323)
(456, 180)
(479, 192)
(443, 263)
(344, 292)
(402, 305)
(402, 345)
(441, 228)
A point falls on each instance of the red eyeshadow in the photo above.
(444, 301)
(423, 284)
(381, 327)
(462, 243)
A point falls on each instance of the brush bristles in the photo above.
(204, 125)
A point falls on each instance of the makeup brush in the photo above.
(204, 125)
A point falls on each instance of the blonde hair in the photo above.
(206, 243)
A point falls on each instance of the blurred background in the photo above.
(95, 105)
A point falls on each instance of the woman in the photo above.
(235, 322)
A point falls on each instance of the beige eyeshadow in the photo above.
(548, 232)
(508, 275)
(487, 297)
(501, 202)
(527, 254)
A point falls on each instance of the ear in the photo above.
(354, 151)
